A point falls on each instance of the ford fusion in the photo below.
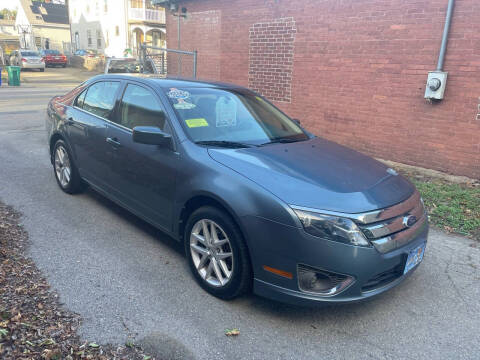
(258, 202)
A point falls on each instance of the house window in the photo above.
(88, 9)
(105, 6)
(117, 30)
(136, 4)
(89, 37)
(99, 39)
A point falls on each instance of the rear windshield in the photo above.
(30, 53)
(52, 52)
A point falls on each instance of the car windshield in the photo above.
(52, 52)
(30, 53)
(125, 66)
(235, 117)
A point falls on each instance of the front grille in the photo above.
(383, 278)
(391, 228)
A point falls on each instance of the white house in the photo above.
(43, 25)
(112, 26)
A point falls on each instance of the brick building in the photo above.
(353, 71)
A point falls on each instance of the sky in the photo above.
(8, 4)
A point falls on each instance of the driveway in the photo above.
(126, 278)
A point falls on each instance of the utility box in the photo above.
(436, 84)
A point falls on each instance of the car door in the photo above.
(87, 130)
(143, 175)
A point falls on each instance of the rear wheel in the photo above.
(65, 170)
(42, 70)
(217, 254)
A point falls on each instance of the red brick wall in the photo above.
(359, 71)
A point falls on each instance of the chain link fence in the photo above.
(170, 62)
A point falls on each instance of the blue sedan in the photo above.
(258, 202)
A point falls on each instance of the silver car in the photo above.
(27, 59)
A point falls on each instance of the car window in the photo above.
(51, 52)
(30, 53)
(100, 98)
(141, 107)
(80, 99)
(213, 114)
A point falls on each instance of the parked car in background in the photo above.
(86, 53)
(27, 59)
(53, 58)
(256, 200)
(129, 66)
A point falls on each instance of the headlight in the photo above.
(332, 228)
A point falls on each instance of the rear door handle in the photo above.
(113, 141)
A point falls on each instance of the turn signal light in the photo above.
(282, 273)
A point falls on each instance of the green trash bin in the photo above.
(13, 75)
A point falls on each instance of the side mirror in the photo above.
(152, 136)
(296, 121)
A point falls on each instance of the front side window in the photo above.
(223, 115)
(100, 98)
(140, 107)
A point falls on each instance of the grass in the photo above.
(454, 207)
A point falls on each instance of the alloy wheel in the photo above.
(211, 252)
(63, 168)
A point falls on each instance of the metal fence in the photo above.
(170, 62)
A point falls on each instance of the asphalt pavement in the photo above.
(127, 279)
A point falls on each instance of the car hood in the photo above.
(318, 174)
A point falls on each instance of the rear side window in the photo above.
(81, 99)
(100, 98)
(140, 107)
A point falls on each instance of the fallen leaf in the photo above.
(232, 332)
(93, 345)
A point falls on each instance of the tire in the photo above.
(42, 70)
(240, 280)
(64, 65)
(72, 184)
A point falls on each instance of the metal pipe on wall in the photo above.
(446, 29)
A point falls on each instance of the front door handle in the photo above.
(70, 121)
(113, 141)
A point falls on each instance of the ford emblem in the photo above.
(409, 221)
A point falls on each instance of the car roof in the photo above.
(157, 80)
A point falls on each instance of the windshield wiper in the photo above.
(281, 141)
(224, 143)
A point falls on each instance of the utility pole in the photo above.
(179, 15)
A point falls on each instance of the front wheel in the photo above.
(217, 254)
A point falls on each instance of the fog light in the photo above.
(322, 282)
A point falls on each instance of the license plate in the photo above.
(415, 256)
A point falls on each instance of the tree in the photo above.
(8, 14)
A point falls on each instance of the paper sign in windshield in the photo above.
(193, 123)
(226, 109)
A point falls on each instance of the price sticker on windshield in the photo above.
(226, 111)
(194, 123)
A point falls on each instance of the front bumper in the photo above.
(286, 246)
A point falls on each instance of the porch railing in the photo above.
(145, 14)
